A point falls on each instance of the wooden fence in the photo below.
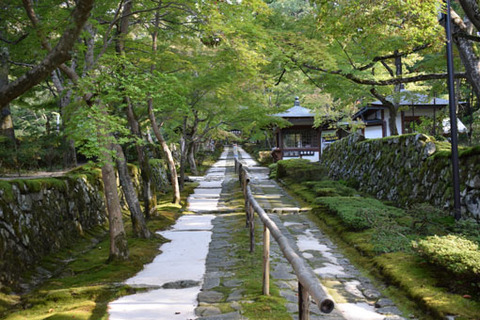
(308, 283)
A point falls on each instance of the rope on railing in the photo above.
(308, 283)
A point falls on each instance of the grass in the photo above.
(419, 287)
(87, 284)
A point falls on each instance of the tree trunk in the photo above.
(183, 154)
(168, 154)
(392, 121)
(472, 11)
(148, 188)
(149, 195)
(139, 226)
(6, 122)
(469, 58)
(69, 154)
(392, 109)
(118, 238)
(191, 159)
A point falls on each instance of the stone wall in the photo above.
(406, 169)
(40, 216)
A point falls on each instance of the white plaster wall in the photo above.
(314, 158)
(373, 132)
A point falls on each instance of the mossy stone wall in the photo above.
(405, 169)
(40, 216)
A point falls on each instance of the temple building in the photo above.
(301, 139)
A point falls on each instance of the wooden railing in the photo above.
(308, 283)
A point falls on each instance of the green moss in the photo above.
(89, 283)
(6, 187)
(91, 174)
(249, 270)
(468, 152)
(421, 283)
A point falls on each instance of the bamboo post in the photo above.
(266, 261)
(308, 284)
(251, 224)
(247, 214)
(303, 303)
(304, 272)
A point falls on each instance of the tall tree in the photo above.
(354, 56)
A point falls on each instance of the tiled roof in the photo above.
(409, 98)
(296, 111)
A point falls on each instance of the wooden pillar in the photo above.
(266, 261)
(303, 303)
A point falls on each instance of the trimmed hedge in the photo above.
(358, 213)
(453, 253)
(300, 170)
(328, 188)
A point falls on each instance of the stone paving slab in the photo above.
(355, 296)
(222, 293)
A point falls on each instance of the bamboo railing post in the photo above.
(303, 303)
(266, 261)
(251, 224)
(308, 284)
(247, 214)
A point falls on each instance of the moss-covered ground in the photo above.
(249, 270)
(383, 246)
(86, 284)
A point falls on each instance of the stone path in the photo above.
(355, 296)
(220, 294)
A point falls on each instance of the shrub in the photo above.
(358, 213)
(265, 157)
(469, 229)
(328, 188)
(273, 171)
(390, 238)
(31, 153)
(427, 219)
(453, 253)
(300, 170)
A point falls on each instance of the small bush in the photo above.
(300, 170)
(469, 229)
(265, 158)
(31, 153)
(273, 171)
(453, 253)
(390, 239)
(328, 188)
(427, 219)
(358, 213)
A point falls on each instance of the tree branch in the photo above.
(393, 56)
(387, 82)
(472, 11)
(281, 76)
(14, 42)
(60, 54)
